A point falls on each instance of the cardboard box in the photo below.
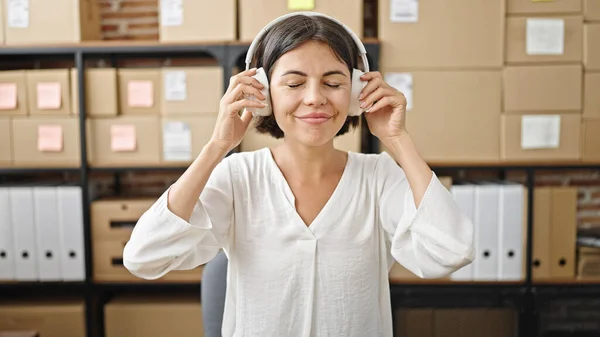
(591, 10)
(2, 33)
(255, 14)
(351, 141)
(46, 142)
(153, 317)
(49, 92)
(541, 137)
(253, 140)
(13, 93)
(191, 90)
(447, 110)
(543, 88)
(191, 21)
(441, 34)
(6, 143)
(50, 319)
(108, 266)
(184, 137)
(547, 39)
(100, 91)
(124, 141)
(590, 140)
(114, 219)
(591, 95)
(591, 47)
(543, 7)
(140, 91)
(57, 21)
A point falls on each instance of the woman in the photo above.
(310, 231)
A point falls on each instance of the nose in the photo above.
(314, 95)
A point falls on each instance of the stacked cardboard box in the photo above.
(60, 318)
(197, 20)
(591, 83)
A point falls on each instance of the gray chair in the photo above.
(213, 289)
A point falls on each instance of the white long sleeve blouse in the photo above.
(288, 279)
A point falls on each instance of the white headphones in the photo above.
(357, 83)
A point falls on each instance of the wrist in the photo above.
(400, 146)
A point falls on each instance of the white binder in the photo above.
(486, 238)
(70, 215)
(7, 256)
(47, 232)
(510, 232)
(464, 196)
(23, 227)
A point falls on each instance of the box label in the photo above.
(177, 141)
(301, 5)
(140, 94)
(50, 138)
(545, 36)
(18, 13)
(402, 82)
(171, 12)
(122, 138)
(175, 86)
(540, 132)
(48, 95)
(8, 96)
(404, 10)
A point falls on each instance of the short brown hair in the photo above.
(293, 32)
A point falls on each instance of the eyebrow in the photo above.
(328, 73)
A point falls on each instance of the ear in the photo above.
(357, 86)
(261, 76)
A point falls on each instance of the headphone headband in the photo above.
(357, 41)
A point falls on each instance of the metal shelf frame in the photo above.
(524, 297)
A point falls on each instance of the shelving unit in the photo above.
(526, 296)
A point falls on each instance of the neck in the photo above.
(307, 163)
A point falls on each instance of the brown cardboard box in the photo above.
(255, 14)
(451, 34)
(191, 90)
(547, 39)
(414, 323)
(253, 140)
(5, 143)
(114, 219)
(108, 266)
(100, 91)
(64, 318)
(124, 141)
(140, 91)
(57, 21)
(543, 7)
(2, 33)
(591, 140)
(46, 142)
(153, 317)
(591, 10)
(194, 22)
(539, 137)
(591, 95)
(351, 141)
(49, 92)
(475, 322)
(563, 232)
(446, 105)
(543, 88)
(13, 92)
(591, 46)
(184, 137)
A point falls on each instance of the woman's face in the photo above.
(310, 93)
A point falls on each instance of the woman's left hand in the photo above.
(386, 118)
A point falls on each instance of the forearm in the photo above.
(417, 171)
(185, 192)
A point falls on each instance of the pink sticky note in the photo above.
(50, 138)
(140, 94)
(48, 95)
(8, 96)
(122, 138)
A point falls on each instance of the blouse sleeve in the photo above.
(162, 241)
(432, 240)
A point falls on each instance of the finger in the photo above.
(246, 118)
(385, 101)
(369, 88)
(251, 81)
(371, 75)
(234, 80)
(242, 90)
(374, 96)
(237, 106)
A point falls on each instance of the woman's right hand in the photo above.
(231, 126)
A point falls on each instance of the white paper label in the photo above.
(175, 85)
(545, 36)
(402, 82)
(177, 141)
(171, 12)
(18, 13)
(404, 10)
(540, 132)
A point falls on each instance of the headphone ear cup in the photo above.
(357, 86)
(261, 77)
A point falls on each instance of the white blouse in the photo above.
(287, 279)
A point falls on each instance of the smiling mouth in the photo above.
(314, 120)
